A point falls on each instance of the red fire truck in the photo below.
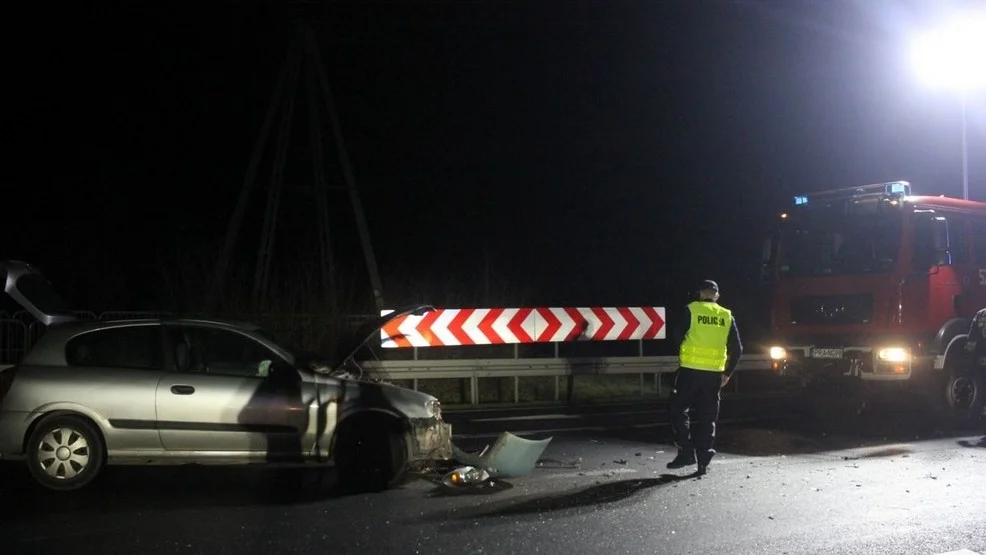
(873, 292)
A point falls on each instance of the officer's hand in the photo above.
(725, 380)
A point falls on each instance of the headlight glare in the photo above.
(778, 353)
(893, 354)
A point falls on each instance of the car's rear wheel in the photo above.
(370, 454)
(65, 452)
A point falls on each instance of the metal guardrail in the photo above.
(474, 370)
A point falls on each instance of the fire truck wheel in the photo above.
(963, 394)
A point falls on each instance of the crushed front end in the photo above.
(430, 442)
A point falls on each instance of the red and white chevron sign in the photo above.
(494, 326)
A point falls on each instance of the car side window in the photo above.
(132, 347)
(222, 352)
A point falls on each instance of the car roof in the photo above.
(84, 326)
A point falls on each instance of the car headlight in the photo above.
(893, 354)
(434, 408)
(778, 353)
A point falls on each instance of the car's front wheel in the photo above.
(65, 452)
(370, 454)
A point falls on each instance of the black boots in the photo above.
(684, 458)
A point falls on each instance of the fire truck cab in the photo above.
(875, 290)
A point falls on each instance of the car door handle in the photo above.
(182, 389)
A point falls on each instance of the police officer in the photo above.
(709, 349)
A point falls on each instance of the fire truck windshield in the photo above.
(822, 242)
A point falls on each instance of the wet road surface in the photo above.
(887, 484)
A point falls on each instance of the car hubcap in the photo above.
(63, 453)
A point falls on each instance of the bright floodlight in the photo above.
(954, 56)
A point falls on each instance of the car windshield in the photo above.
(303, 359)
(284, 344)
(839, 242)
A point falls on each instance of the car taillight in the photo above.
(6, 380)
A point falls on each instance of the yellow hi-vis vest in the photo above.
(704, 346)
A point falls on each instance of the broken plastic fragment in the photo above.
(509, 457)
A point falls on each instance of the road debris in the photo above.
(466, 475)
(509, 457)
(555, 463)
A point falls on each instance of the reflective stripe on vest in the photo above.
(704, 347)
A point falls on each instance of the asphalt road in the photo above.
(887, 484)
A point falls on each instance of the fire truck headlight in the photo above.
(894, 354)
(778, 353)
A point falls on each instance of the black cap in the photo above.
(708, 284)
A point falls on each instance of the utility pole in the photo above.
(347, 169)
(302, 57)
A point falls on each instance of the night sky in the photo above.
(545, 153)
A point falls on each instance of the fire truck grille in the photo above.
(832, 310)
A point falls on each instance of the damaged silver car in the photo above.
(176, 391)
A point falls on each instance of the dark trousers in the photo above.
(694, 407)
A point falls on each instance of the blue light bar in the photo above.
(899, 187)
(889, 188)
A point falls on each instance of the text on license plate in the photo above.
(826, 353)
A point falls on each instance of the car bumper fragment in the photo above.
(510, 457)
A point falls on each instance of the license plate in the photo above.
(826, 353)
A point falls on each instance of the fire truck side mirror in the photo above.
(931, 241)
(939, 239)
